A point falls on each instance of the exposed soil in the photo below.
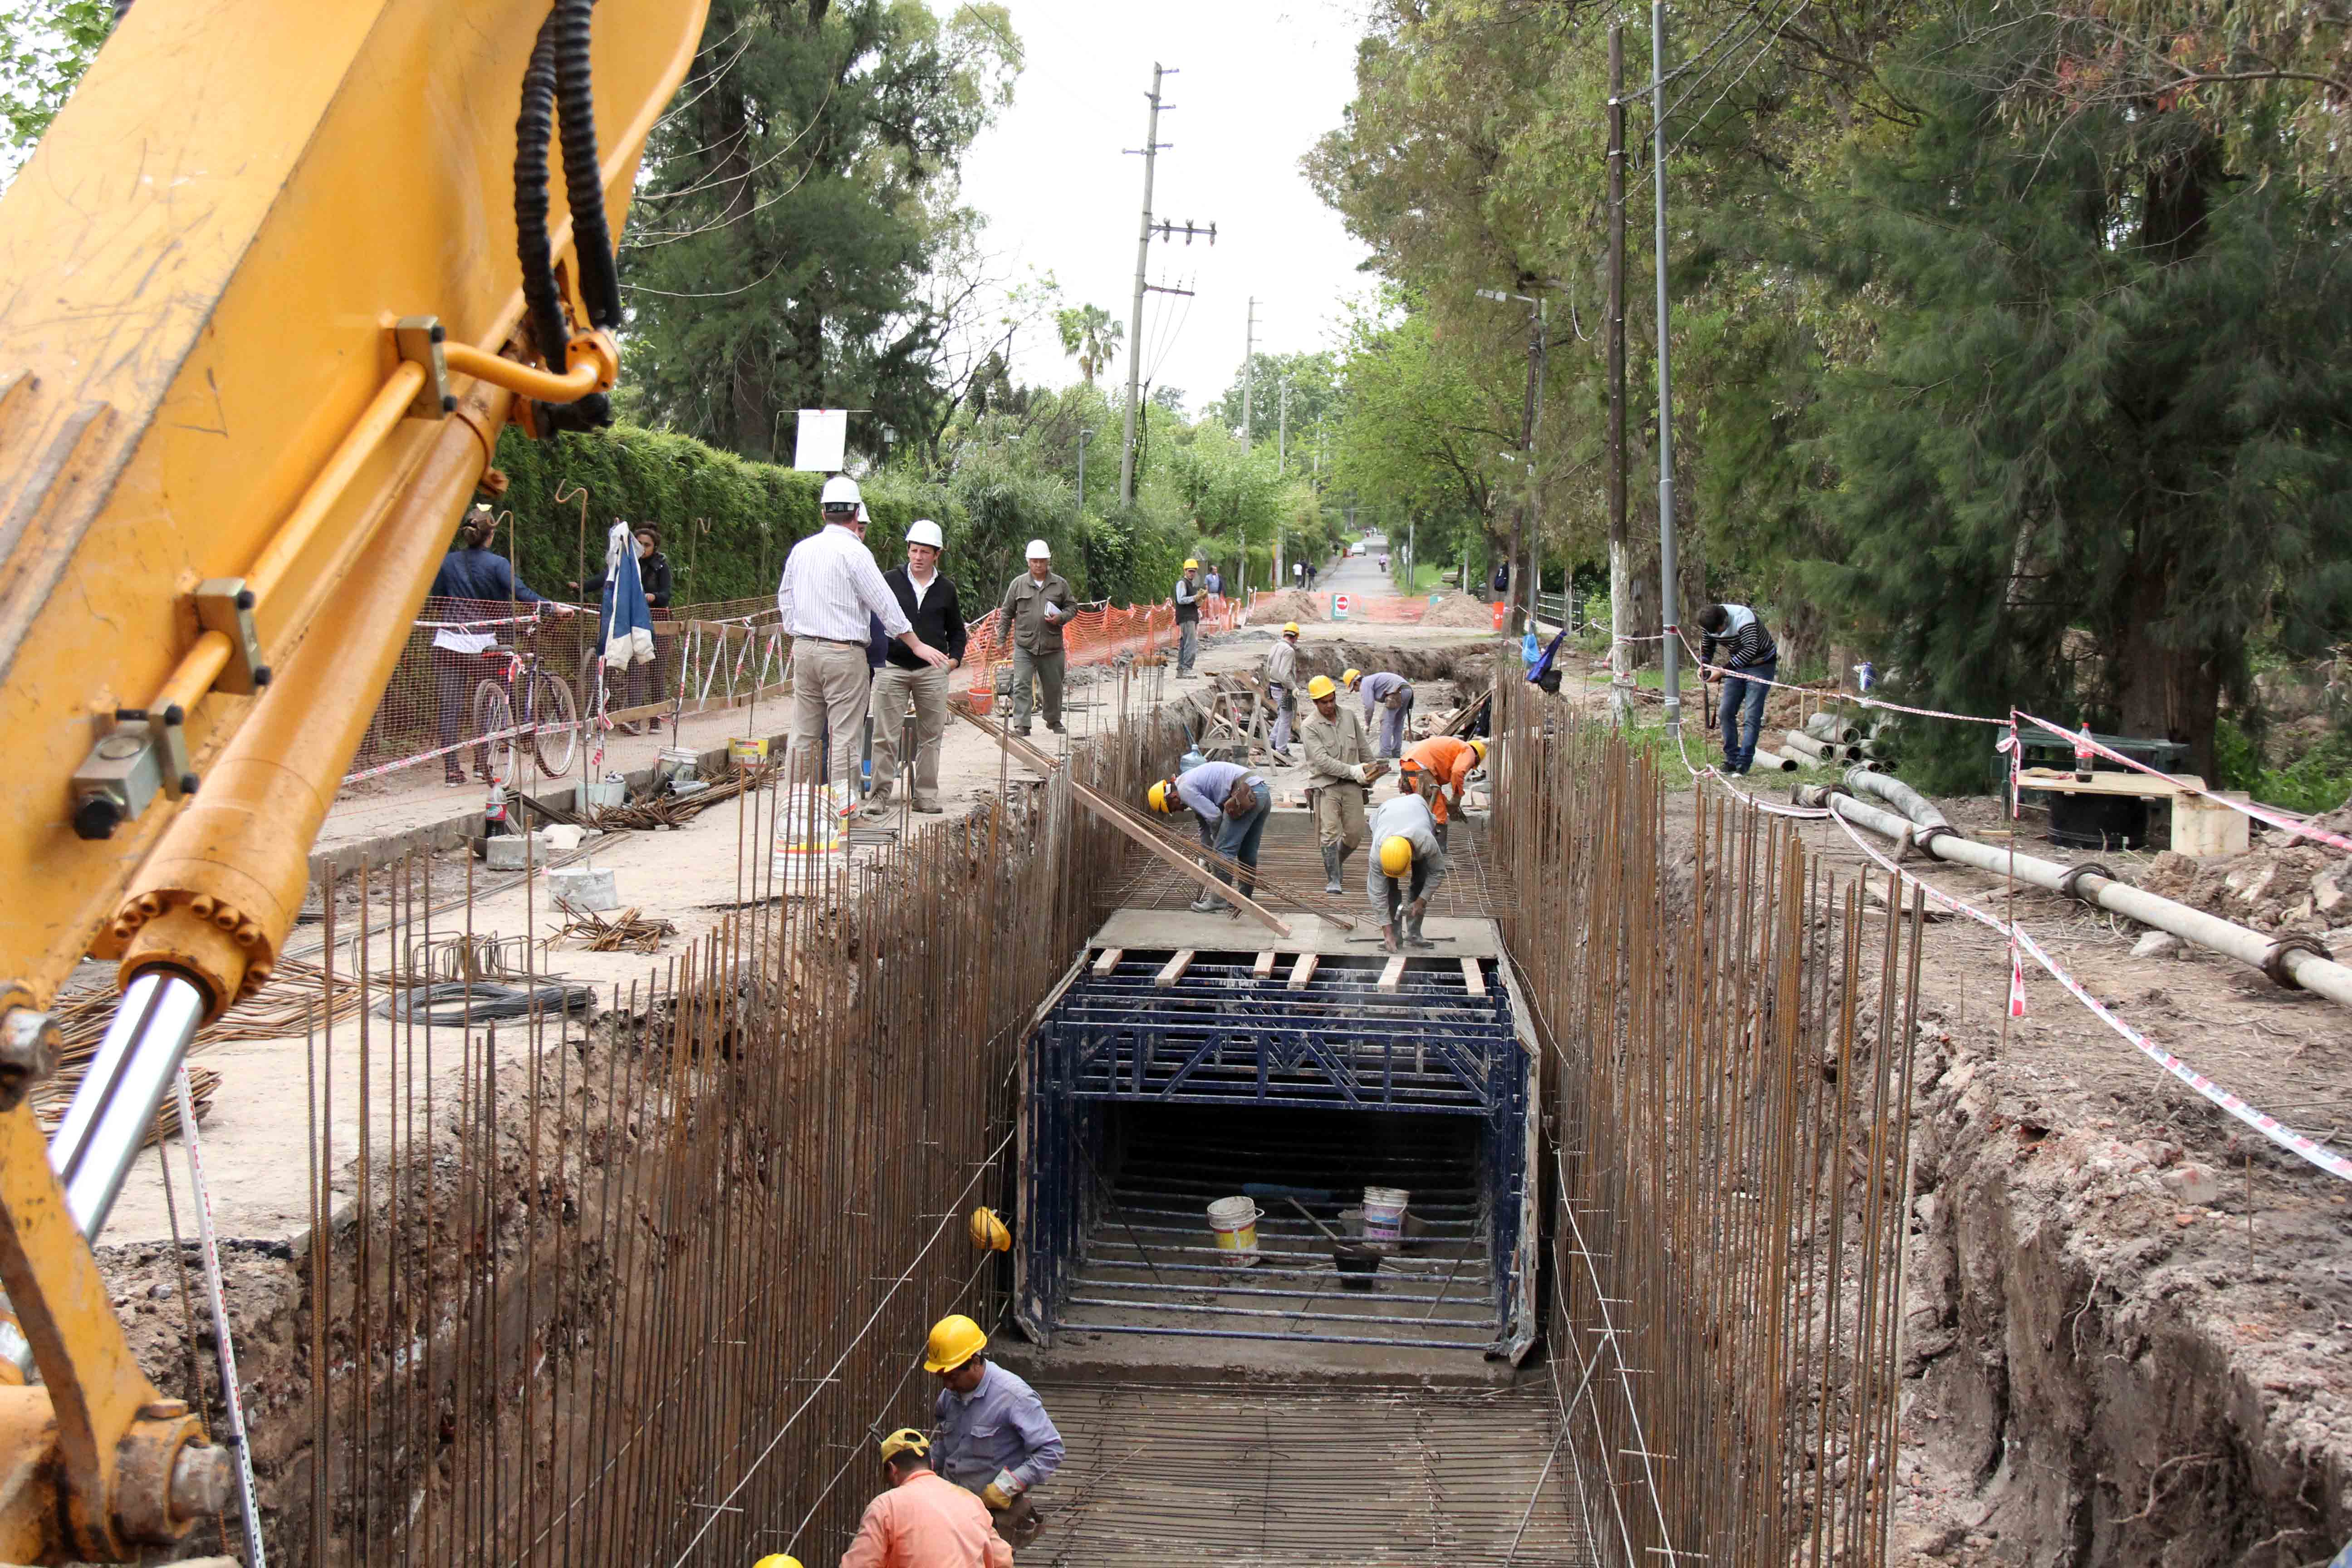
(1460, 610)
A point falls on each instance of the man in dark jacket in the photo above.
(929, 599)
(471, 571)
(1750, 664)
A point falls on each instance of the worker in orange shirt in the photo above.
(923, 1520)
(1449, 764)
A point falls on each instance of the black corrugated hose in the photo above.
(583, 179)
(532, 124)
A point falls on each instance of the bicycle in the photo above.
(548, 715)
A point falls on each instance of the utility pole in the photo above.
(1085, 435)
(1528, 452)
(1135, 318)
(1670, 669)
(1621, 549)
(1282, 433)
(1249, 362)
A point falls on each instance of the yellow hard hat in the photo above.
(1350, 677)
(1290, 628)
(1162, 795)
(988, 1232)
(1191, 564)
(954, 1341)
(1478, 748)
(1321, 686)
(1396, 855)
(905, 1440)
(777, 1560)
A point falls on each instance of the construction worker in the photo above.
(1751, 666)
(991, 1434)
(1449, 763)
(921, 1519)
(1038, 604)
(929, 598)
(829, 587)
(1407, 860)
(1188, 596)
(1339, 765)
(1282, 685)
(1393, 695)
(1231, 804)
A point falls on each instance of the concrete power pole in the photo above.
(1621, 549)
(1249, 360)
(1135, 317)
(1670, 669)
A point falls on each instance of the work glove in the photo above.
(993, 1496)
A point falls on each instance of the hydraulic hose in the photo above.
(583, 179)
(533, 122)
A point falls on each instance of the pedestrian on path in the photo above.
(830, 587)
(922, 1520)
(1214, 583)
(1406, 862)
(990, 1434)
(1393, 695)
(1230, 803)
(1038, 604)
(1188, 596)
(472, 570)
(929, 600)
(1753, 662)
(1448, 763)
(1340, 763)
(1282, 685)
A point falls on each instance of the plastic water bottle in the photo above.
(493, 811)
(2083, 755)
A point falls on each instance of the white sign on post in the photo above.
(1338, 607)
(820, 439)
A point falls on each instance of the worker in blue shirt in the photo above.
(1391, 694)
(990, 1433)
(1232, 805)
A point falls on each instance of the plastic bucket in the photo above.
(747, 753)
(1233, 1223)
(810, 832)
(1384, 1212)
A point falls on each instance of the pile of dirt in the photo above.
(1459, 610)
(1290, 605)
(2284, 885)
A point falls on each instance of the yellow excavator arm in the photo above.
(269, 289)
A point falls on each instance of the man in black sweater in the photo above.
(930, 603)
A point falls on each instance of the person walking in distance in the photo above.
(922, 1520)
(1187, 596)
(1231, 804)
(1038, 604)
(1448, 763)
(472, 570)
(1406, 862)
(990, 1434)
(830, 587)
(1752, 662)
(1282, 685)
(1340, 763)
(929, 598)
(1214, 582)
(1393, 695)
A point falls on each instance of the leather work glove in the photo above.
(995, 1498)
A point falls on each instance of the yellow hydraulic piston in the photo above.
(262, 317)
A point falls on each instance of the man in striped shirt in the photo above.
(1750, 664)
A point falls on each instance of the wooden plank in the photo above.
(1108, 961)
(1173, 970)
(1264, 966)
(2108, 781)
(1474, 979)
(1302, 972)
(1393, 976)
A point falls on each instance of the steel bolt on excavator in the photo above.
(269, 289)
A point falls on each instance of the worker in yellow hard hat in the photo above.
(1407, 859)
(990, 1434)
(1230, 805)
(778, 1559)
(1340, 765)
(1189, 596)
(1350, 676)
(1282, 685)
(921, 1519)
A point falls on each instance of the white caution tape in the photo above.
(2260, 813)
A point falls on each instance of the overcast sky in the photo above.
(1258, 81)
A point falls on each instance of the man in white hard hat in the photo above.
(829, 587)
(1038, 604)
(1282, 685)
(929, 598)
(1187, 596)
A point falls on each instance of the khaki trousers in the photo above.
(1339, 814)
(829, 684)
(1045, 669)
(893, 690)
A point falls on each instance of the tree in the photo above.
(1088, 336)
(44, 47)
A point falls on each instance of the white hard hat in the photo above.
(839, 491)
(1039, 551)
(861, 513)
(926, 531)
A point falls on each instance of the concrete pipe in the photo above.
(1830, 727)
(1819, 753)
(1775, 761)
(1898, 795)
(2299, 966)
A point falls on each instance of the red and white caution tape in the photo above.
(508, 734)
(2259, 812)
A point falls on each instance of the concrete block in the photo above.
(583, 887)
(2192, 1183)
(509, 852)
(2156, 944)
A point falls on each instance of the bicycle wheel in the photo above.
(494, 715)
(555, 720)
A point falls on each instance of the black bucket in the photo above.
(1357, 1265)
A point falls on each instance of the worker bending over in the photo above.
(1231, 804)
(1752, 663)
(1390, 693)
(1407, 859)
(921, 1519)
(1449, 764)
(1340, 763)
(990, 1433)
(1282, 685)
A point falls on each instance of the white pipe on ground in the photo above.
(2322, 976)
(1805, 745)
(1776, 761)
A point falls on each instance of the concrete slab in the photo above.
(1168, 931)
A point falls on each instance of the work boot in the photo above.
(1206, 903)
(1331, 853)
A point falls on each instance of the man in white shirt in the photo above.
(829, 587)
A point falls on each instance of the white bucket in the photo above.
(1384, 1212)
(810, 831)
(1233, 1223)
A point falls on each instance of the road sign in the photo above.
(1338, 607)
